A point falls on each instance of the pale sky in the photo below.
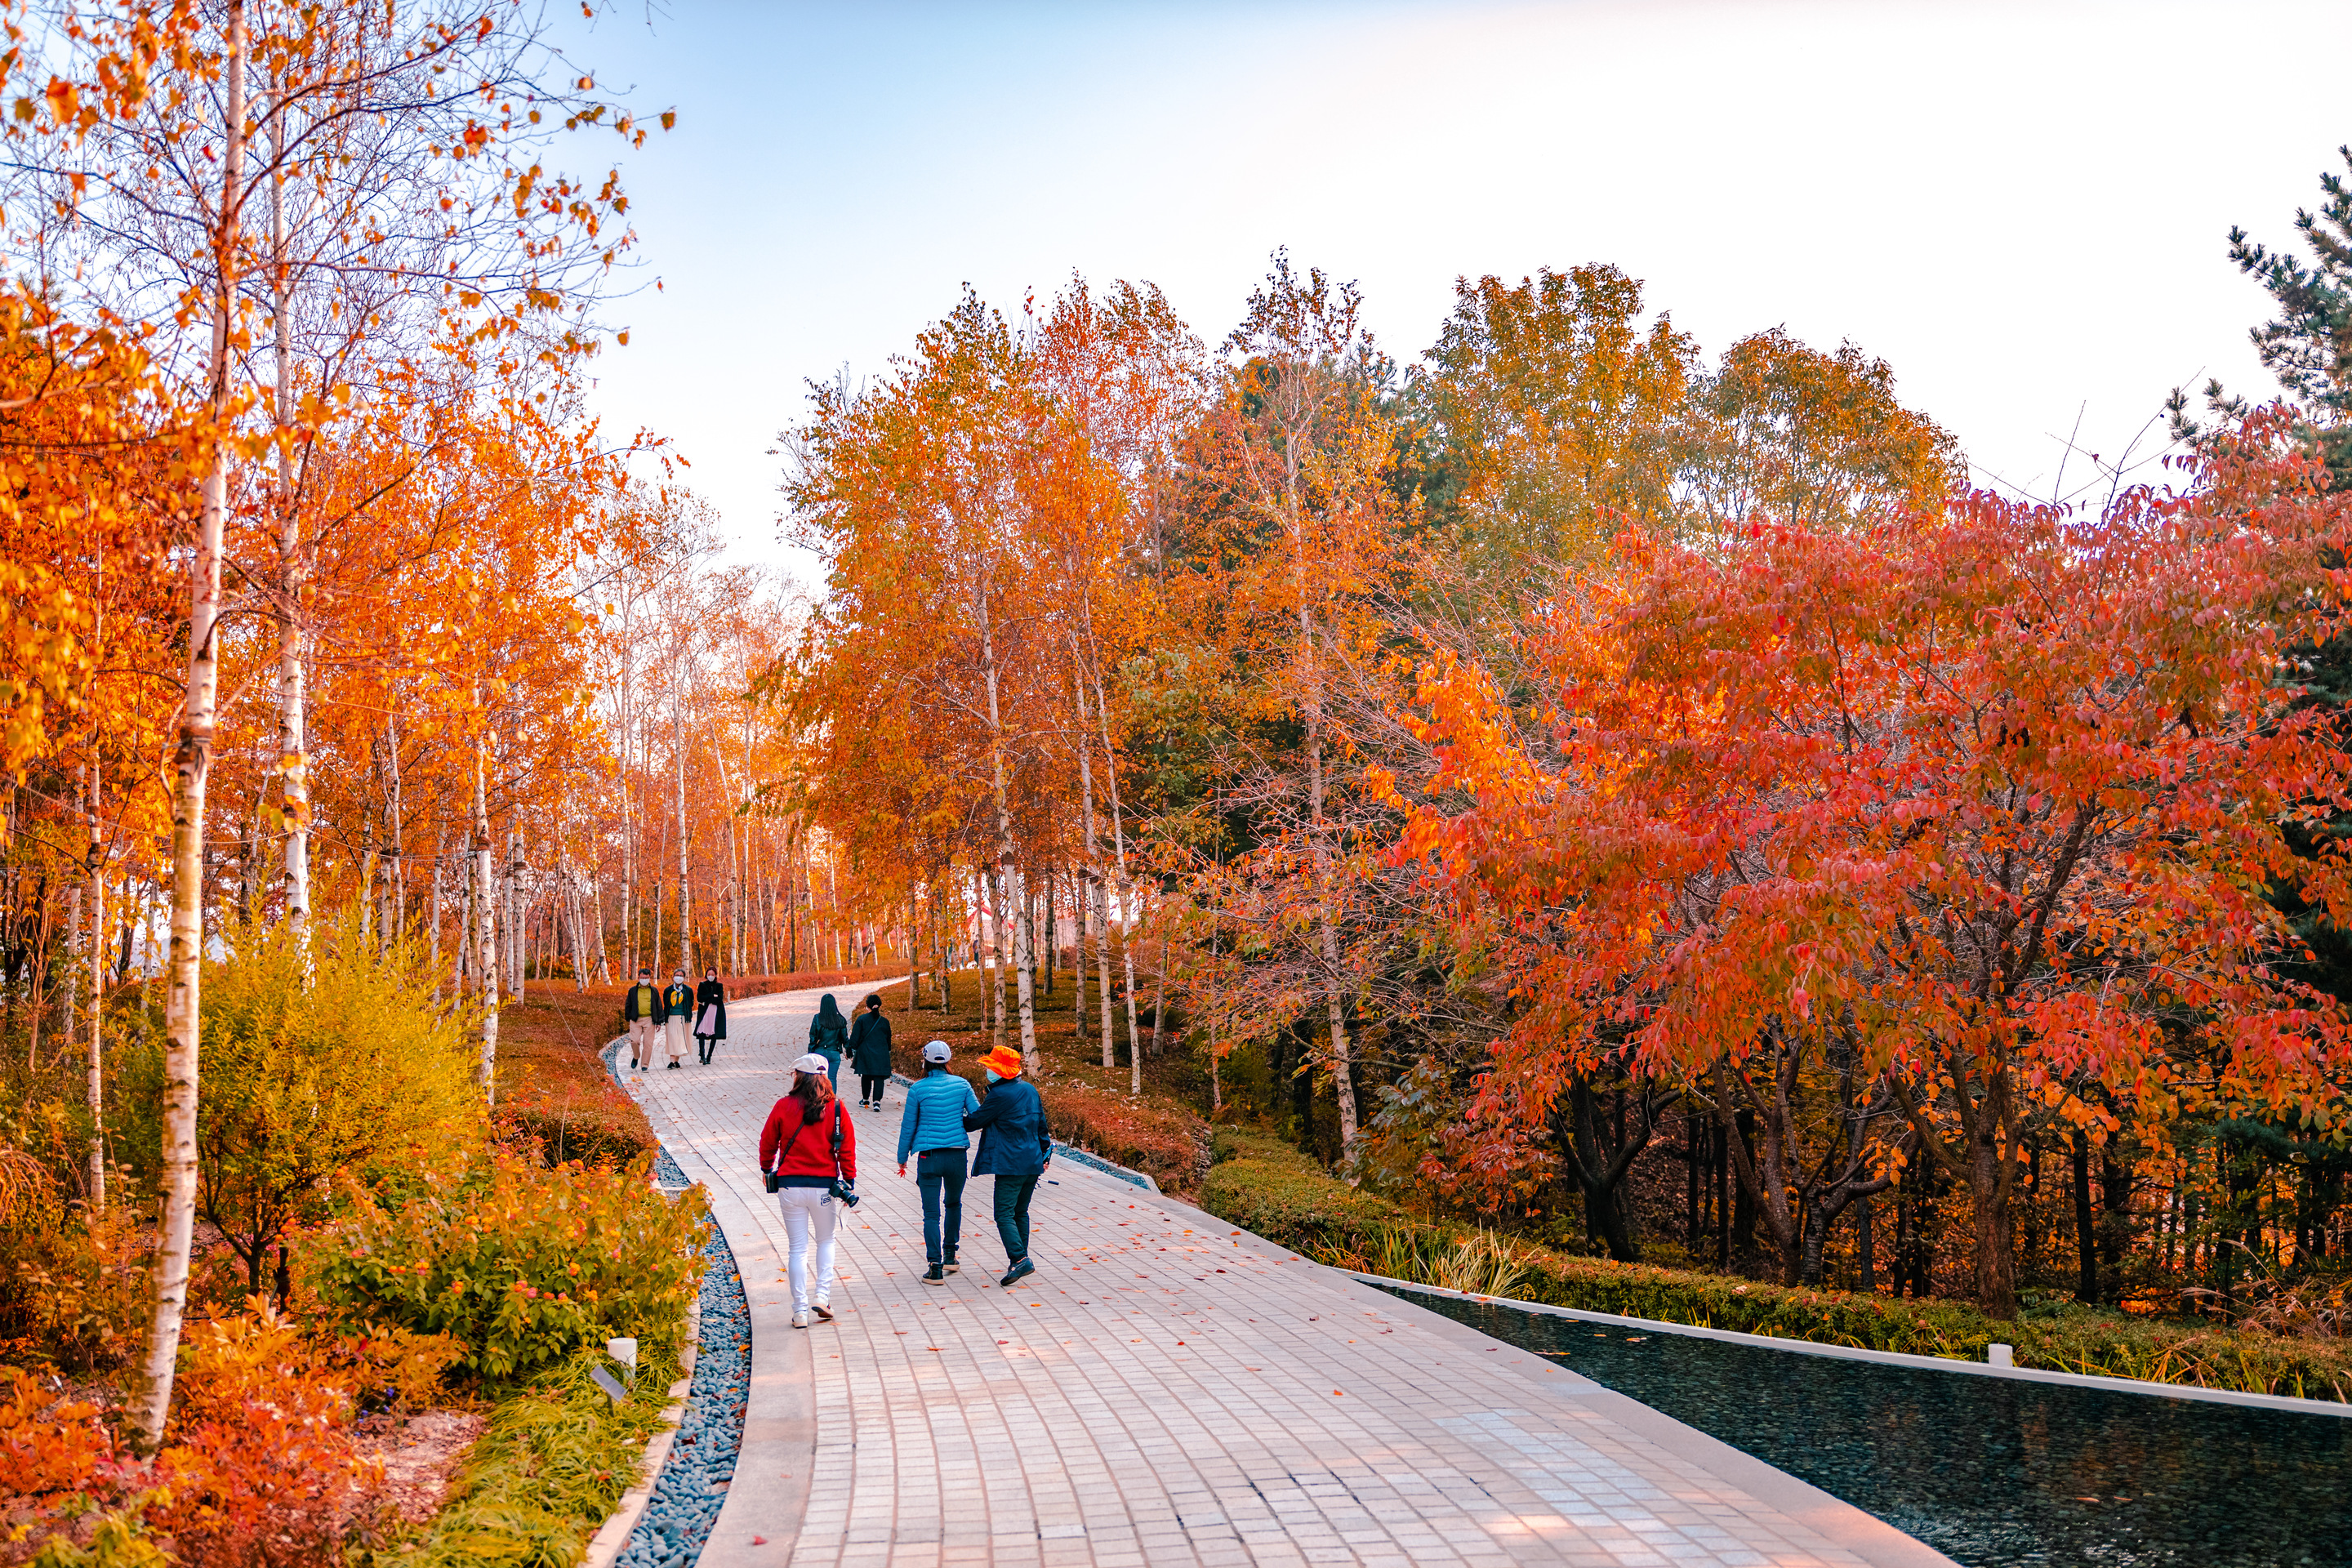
(2020, 206)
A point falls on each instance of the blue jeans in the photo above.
(940, 1173)
(833, 1068)
(1012, 1194)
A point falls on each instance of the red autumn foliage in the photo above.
(1993, 800)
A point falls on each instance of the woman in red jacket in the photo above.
(806, 1144)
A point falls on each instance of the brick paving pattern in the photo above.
(1166, 1390)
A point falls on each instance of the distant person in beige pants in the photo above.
(643, 1014)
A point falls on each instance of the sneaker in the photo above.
(935, 1274)
(822, 1310)
(951, 1264)
(673, 1067)
(800, 1320)
(1018, 1272)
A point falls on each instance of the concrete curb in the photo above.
(606, 1545)
(1897, 1358)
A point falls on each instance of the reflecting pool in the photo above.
(1994, 1472)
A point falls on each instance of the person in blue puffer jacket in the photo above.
(1016, 1147)
(932, 1127)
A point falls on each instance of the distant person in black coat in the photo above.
(709, 1014)
(869, 1053)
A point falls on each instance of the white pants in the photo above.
(807, 1210)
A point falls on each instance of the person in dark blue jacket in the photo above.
(932, 1127)
(1016, 1147)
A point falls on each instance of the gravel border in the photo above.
(700, 1464)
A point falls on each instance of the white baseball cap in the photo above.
(814, 1063)
(937, 1051)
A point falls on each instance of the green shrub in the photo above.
(548, 1470)
(523, 1264)
(321, 1058)
(1270, 1188)
(1263, 1184)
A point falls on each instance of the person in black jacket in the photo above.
(869, 1053)
(1016, 1147)
(709, 1014)
(643, 1014)
(829, 1035)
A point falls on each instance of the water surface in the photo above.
(1993, 1472)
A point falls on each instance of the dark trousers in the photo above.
(870, 1086)
(1012, 1193)
(940, 1173)
(709, 1043)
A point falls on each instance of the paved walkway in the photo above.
(1168, 1390)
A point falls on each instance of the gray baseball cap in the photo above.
(937, 1051)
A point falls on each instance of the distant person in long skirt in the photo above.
(869, 1053)
(829, 1036)
(1016, 1147)
(677, 1004)
(709, 1014)
(808, 1141)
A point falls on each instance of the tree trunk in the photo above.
(94, 869)
(518, 922)
(988, 909)
(396, 925)
(1995, 1253)
(2086, 1251)
(1092, 892)
(293, 738)
(485, 921)
(1326, 933)
(190, 770)
(685, 891)
(999, 797)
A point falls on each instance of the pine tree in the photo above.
(2308, 345)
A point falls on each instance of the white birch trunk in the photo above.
(1126, 889)
(1093, 889)
(191, 770)
(1343, 1079)
(986, 885)
(293, 736)
(685, 892)
(1005, 846)
(486, 940)
(94, 870)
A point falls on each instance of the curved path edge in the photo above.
(1099, 1415)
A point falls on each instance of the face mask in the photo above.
(994, 1076)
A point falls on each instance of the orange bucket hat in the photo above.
(1004, 1061)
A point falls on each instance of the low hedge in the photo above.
(1162, 1140)
(1269, 1187)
